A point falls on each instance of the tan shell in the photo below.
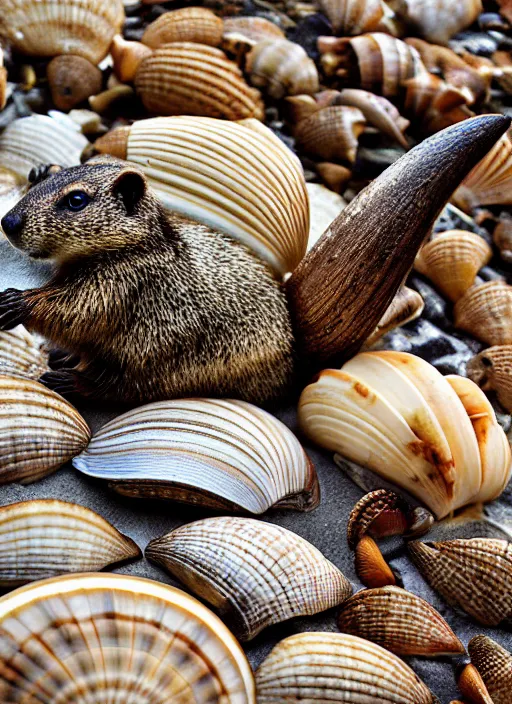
(399, 621)
(194, 79)
(485, 311)
(21, 354)
(452, 260)
(433, 103)
(332, 133)
(103, 101)
(72, 79)
(242, 33)
(189, 24)
(474, 575)
(50, 28)
(225, 559)
(439, 20)
(127, 56)
(281, 68)
(379, 513)
(407, 305)
(353, 16)
(492, 371)
(371, 567)
(335, 667)
(379, 112)
(334, 176)
(490, 182)
(494, 664)
(502, 237)
(472, 686)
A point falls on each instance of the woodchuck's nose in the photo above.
(12, 225)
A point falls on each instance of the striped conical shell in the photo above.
(353, 16)
(332, 133)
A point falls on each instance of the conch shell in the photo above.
(485, 311)
(189, 24)
(352, 17)
(21, 354)
(492, 371)
(494, 664)
(490, 182)
(281, 68)
(439, 20)
(332, 133)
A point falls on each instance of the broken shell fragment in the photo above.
(379, 112)
(332, 133)
(399, 621)
(485, 311)
(494, 664)
(281, 68)
(127, 56)
(21, 354)
(255, 574)
(407, 305)
(380, 513)
(472, 686)
(189, 24)
(72, 80)
(439, 20)
(490, 182)
(371, 567)
(492, 371)
(353, 16)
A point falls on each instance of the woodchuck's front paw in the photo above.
(70, 383)
(13, 309)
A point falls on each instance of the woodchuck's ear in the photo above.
(130, 186)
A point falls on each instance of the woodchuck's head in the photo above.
(102, 205)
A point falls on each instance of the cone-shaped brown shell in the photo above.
(379, 112)
(485, 311)
(371, 567)
(492, 370)
(189, 24)
(281, 67)
(352, 17)
(332, 133)
(439, 20)
(490, 182)
(72, 79)
(494, 664)
(472, 686)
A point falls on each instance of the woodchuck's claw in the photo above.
(62, 382)
(13, 309)
(60, 359)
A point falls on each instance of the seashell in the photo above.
(492, 371)
(81, 27)
(46, 537)
(399, 621)
(189, 24)
(485, 311)
(102, 102)
(380, 513)
(216, 453)
(21, 354)
(99, 637)
(255, 574)
(242, 33)
(238, 178)
(39, 431)
(126, 57)
(439, 20)
(194, 79)
(433, 103)
(502, 237)
(72, 80)
(12, 188)
(335, 667)
(281, 68)
(474, 575)
(378, 111)
(472, 686)
(334, 176)
(3, 81)
(490, 182)
(371, 567)
(452, 260)
(407, 305)
(494, 664)
(352, 17)
(332, 133)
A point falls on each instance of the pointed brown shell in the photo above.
(380, 513)
(189, 24)
(439, 20)
(472, 686)
(490, 182)
(281, 67)
(371, 567)
(492, 370)
(407, 305)
(379, 112)
(485, 311)
(494, 664)
(353, 17)
(332, 133)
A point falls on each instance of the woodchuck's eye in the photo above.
(76, 200)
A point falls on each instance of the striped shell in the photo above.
(432, 103)
(490, 182)
(39, 431)
(353, 16)
(485, 311)
(217, 453)
(281, 67)
(492, 370)
(21, 354)
(494, 664)
(107, 637)
(332, 133)
(439, 20)
(379, 513)
(255, 574)
(189, 24)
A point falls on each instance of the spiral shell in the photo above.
(494, 664)
(492, 370)
(100, 637)
(490, 182)
(433, 103)
(282, 68)
(485, 311)
(439, 20)
(352, 17)
(331, 133)
(21, 354)
(189, 24)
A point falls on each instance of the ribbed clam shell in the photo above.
(353, 16)
(335, 667)
(189, 24)
(194, 79)
(371, 567)
(12, 189)
(53, 27)
(238, 178)
(433, 103)
(46, 538)
(399, 621)
(115, 638)
(492, 370)
(255, 574)
(474, 575)
(332, 133)
(407, 305)
(21, 354)
(39, 431)
(281, 68)
(452, 260)
(379, 513)
(219, 453)
(494, 664)
(485, 311)
(439, 20)
(490, 182)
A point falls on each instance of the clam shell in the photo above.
(39, 431)
(352, 17)
(53, 27)
(332, 133)
(21, 354)
(371, 567)
(502, 238)
(433, 103)
(189, 24)
(46, 538)
(281, 68)
(379, 513)
(494, 664)
(474, 575)
(485, 311)
(439, 20)
(490, 182)
(452, 260)
(106, 637)
(194, 79)
(407, 305)
(335, 667)
(255, 574)
(217, 453)
(492, 370)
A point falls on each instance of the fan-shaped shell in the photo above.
(105, 637)
(46, 537)
(353, 16)
(219, 453)
(492, 370)
(335, 667)
(281, 68)
(255, 574)
(21, 354)
(194, 79)
(485, 311)
(39, 431)
(439, 20)
(189, 24)
(379, 513)
(494, 664)
(331, 133)
(53, 27)
(238, 178)
(490, 182)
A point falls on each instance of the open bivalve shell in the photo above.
(397, 415)
(281, 68)
(105, 637)
(494, 664)
(238, 178)
(407, 305)
(222, 454)
(335, 667)
(490, 182)
(492, 370)
(439, 20)
(485, 311)
(21, 354)
(46, 538)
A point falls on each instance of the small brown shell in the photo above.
(250, 30)
(332, 133)
(492, 370)
(379, 112)
(502, 237)
(334, 176)
(195, 79)
(485, 311)
(72, 80)
(494, 664)
(490, 182)
(371, 567)
(399, 621)
(189, 24)
(281, 68)
(353, 17)
(433, 103)
(439, 20)
(472, 686)
(380, 513)
(407, 305)
(21, 355)
(127, 57)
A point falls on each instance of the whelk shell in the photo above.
(217, 453)
(485, 311)
(439, 20)
(474, 575)
(189, 24)
(407, 305)
(494, 664)
(399, 621)
(371, 567)
(127, 56)
(353, 16)
(490, 182)
(72, 79)
(492, 370)
(379, 513)
(255, 574)
(21, 354)
(109, 637)
(281, 68)
(47, 537)
(332, 133)
(335, 667)
(39, 431)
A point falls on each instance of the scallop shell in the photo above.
(126, 57)
(72, 79)
(485, 311)
(255, 574)
(332, 133)
(39, 431)
(474, 575)
(53, 27)
(407, 305)
(371, 567)
(492, 370)
(399, 621)
(379, 513)
(217, 453)
(353, 16)
(46, 537)
(281, 68)
(194, 79)
(335, 667)
(21, 354)
(490, 182)
(494, 664)
(472, 686)
(439, 20)
(452, 260)
(433, 103)
(189, 24)
(238, 178)
(108, 637)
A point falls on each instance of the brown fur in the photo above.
(154, 306)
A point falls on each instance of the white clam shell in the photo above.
(21, 354)
(220, 453)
